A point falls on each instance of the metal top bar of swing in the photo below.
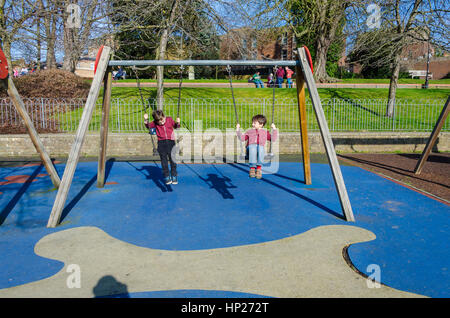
(200, 63)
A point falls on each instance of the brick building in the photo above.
(250, 44)
(86, 63)
(414, 58)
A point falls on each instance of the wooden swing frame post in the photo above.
(37, 142)
(103, 73)
(326, 136)
(75, 151)
(301, 100)
(104, 128)
(433, 137)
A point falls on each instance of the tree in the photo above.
(373, 53)
(13, 16)
(50, 17)
(401, 23)
(77, 33)
(167, 27)
(156, 30)
(319, 24)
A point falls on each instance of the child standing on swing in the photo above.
(164, 128)
(256, 139)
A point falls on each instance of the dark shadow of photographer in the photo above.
(109, 287)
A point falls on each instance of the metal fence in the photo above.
(126, 115)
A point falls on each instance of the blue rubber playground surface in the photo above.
(217, 206)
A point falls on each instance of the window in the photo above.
(284, 39)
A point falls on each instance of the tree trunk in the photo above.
(69, 64)
(68, 41)
(161, 54)
(50, 32)
(75, 39)
(320, 71)
(393, 86)
(51, 59)
(38, 42)
(160, 69)
(331, 19)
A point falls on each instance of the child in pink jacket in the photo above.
(256, 140)
(163, 127)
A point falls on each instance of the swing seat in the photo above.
(242, 157)
(244, 154)
(269, 156)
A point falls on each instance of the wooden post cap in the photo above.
(308, 56)
(99, 53)
(3, 65)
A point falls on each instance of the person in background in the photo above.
(270, 82)
(119, 74)
(280, 76)
(23, 71)
(289, 73)
(256, 78)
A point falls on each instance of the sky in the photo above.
(239, 13)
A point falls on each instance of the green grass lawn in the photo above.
(324, 93)
(185, 80)
(400, 81)
(344, 80)
(345, 109)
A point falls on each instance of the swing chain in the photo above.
(230, 74)
(138, 82)
(179, 90)
(146, 105)
(228, 68)
(273, 93)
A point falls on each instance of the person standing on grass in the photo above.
(270, 80)
(280, 75)
(256, 78)
(289, 73)
(164, 127)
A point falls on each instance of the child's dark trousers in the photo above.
(165, 153)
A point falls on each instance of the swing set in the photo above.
(103, 74)
(243, 155)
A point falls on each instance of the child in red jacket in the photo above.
(256, 140)
(164, 128)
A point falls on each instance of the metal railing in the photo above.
(126, 115)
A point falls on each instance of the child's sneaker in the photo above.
(174, 180)
(258, 173)
(167, 180)
(252, 173)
